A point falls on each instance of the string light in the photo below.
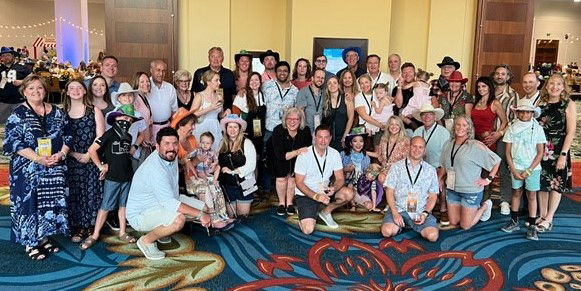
(62, 20)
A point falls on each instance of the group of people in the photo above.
(206, 146)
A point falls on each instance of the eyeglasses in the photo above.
(321, 61)
(183, 81)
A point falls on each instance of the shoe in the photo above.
(542, 228)
(151, 251)
(532, 233)
(511, 226)
(281, 210)
(488, 211)
(164, 240)
(328, 219)
(290, 210)
(444, 218)
(113, 223)
(504, 208)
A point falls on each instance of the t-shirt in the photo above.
(363, 100)
(524, 137)
(116, 152)
(313, 104)
(469, 161)
(311, 167)
(8, 92)
(407, 94)
(435, 137)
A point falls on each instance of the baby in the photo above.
(382, 106)
(205, 159)
(421, 95)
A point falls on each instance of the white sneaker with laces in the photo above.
(504, 208)
(328, 219)
(488, 211)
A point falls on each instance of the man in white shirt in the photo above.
(313, 171)
(153, 204)
(163, 98)
(373, 63)
(530, 85)
(394, 64)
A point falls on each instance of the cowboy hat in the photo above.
(427, 107)
(242, 53)
(124, 88)
(526, 104)
(123, 110)
(8, 50)
(232, 118)
(456, 76)
(356, 131)
(449, 61)
(351, 49)
(269, 53)
(179, 116)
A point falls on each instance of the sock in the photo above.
(531, 220)
(514, 215)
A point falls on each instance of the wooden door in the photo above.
(138, 31)
(503, 36)
(546, 51)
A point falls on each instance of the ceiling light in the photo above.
(576, 0)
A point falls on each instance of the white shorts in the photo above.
(152, 218)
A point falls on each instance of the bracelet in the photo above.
(426, 212)
(528, 171)
(316, 197)
(200, 214)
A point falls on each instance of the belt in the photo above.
(161, 123)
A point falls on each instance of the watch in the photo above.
(489, 179)
(564, 154)
(426, 212)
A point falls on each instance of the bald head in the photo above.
(530, 83)
(417, 148)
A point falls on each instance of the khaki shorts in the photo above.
(152, 218)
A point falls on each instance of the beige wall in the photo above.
(421, 31)
(18, 12)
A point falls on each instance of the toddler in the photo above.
(382, 106)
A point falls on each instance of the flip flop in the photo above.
(87, 243)
(35, 254)
(49, 247)
(127, 238)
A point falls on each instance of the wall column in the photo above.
(72, 31)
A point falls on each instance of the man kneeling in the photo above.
(153, 205)
(313, 171)
(412, 190)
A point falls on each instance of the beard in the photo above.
(169, 156)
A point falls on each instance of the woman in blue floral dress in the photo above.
(38, 191)
(85, 122)
(558, 118)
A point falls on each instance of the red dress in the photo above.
(484, 120)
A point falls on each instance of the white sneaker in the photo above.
(164, 240)
(488, 211)
(504, 208)
(328, 219)
(150, 251)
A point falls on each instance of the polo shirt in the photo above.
(310, 166)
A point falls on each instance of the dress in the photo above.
(209, 122)
(337, 121)
(38, 194)
(280, 144)
(85, 189)
(554, 122)
(483, 120)
(389, 156)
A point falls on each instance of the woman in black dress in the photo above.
(289, 139)
(338, 113)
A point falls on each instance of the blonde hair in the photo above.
(327, 105)
(401, 135)
(544, 95)
(208, 75)
(225, 142)
(470, 132)
(292, 110)
(181, 74)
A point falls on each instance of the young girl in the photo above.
(421, 95)
(205, 184)
(382, 106)
(369, 190)
(525, 144)
(355, 160)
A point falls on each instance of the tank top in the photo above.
(484, 120)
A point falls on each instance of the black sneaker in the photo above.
(290, 210)
(280, 210)
(511, 226)
(532, 233)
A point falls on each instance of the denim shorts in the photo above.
(115, 195)
(235, 194)
(532, 183)
(467, 200)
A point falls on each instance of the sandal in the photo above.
(127, 238)
(78, 236)
(87, 243)
(35, 254)
(542, 228)
(49, 247)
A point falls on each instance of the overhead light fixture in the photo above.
(576, 0)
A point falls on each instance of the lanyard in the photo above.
(455, 100)
(280, 92)
(260, 96)
(317, 105)
(453, 154)
(319, 165)
(368, 105)
(430, 136)
(376, 79)
(410, 176)
(390, 152)
(41, 119)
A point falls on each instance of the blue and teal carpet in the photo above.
(269, 252)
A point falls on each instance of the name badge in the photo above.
(317, 119)
(220, 93)
(412, 202)
(257, 127)
(44, 148)
(451, 179)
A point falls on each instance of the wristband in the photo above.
(564, 154)
(427, 213)
(200, 214)
(136, 147)
(64, 155)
